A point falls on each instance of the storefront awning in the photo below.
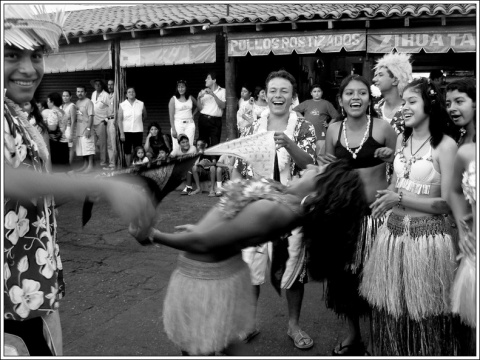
(431, 40)
(79, 57)
(168, 51)
(239, 44)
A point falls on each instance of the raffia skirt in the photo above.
(341, 291)
(208, 305)
(407, 281)
(464, 301)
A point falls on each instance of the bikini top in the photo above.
(240, 193)
(415, 174)
(468, 183)
(365, 157)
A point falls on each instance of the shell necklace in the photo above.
(365, 136)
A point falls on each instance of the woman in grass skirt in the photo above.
(408, 277)
(209, 301)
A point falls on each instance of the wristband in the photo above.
(400, 196)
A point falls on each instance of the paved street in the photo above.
(115, 289)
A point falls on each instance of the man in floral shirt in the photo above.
(31, 262)
(295, 140)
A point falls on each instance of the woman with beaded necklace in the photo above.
(367, 142)
(408, 275)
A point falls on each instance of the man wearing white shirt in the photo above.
(111, 128)
(131, 115)
(100, 104)
(211, 103)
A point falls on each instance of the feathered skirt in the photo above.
(407, 281)
(208, 305)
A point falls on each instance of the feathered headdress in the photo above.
(399, 65)
(27, 26)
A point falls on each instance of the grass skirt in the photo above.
(463, 292)
(341, 292)
(208, 305)
(407, 281)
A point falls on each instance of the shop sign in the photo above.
(429, 42)
(302, 44)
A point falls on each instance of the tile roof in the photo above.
(155, 16)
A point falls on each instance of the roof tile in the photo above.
(152, 16)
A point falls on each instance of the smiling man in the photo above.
(295, 140)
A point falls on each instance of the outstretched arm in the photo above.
(257, 223)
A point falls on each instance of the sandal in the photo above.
(300, 337)
(247, 337)
(354, 349)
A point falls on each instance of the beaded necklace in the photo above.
(408, 163)
(365, 136)
(463, 131)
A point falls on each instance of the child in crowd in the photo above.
(319, 112)
(223, 171)
(204, 168)
(184, 148)
(163, 153)
(139, 157)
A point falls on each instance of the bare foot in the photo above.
(87, 170)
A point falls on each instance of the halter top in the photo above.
(239, 193)
(421, 175)
(365, 157)
(468, 183)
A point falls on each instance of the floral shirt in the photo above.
(303, 135)
(32, 265)
(397, 122)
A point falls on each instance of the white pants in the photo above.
(186, 127)
(111, 141)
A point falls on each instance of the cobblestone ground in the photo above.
(115, 289)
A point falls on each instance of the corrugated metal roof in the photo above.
(154, 16)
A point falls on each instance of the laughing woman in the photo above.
(367, 143)
(460, 99)
(409, 273)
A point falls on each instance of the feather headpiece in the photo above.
(27, 26)
(399, 65)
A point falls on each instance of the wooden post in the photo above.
(231, 107)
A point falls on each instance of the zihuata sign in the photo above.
(430, 42)
(302, 44)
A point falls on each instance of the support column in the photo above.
(231, 106)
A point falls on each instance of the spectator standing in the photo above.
(32, 283)
(85, 144)
(437, 77)
(251, 110)
(319, 112)
(154, 141)
(58, 128)
(245, 94)
(211, 103)
(295, 141)
(111, 128)
(461, 106)
(101, 101)
(71, 113)
(131, 115)
(43, 108)
(182, 108)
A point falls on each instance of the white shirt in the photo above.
(100, 106)
(132, 116)
(210, 106)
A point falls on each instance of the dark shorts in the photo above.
(210, 129)
(132, 140)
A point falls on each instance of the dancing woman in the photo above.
(367, 142)
(408, 275)
(210, 301)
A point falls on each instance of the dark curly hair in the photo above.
(434, 105)
(35, 114)
(333, 219)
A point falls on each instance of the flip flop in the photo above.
(247, 337)
(297, 338)
(353, 349)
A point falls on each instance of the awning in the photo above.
(281, 43)
(168, 51)
(78, 57)
(431, 40)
